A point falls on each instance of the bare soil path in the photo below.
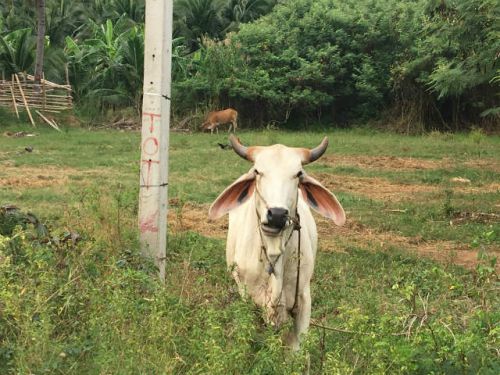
(193, 217)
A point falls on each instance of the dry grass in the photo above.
(187, 215)
(355, 234)
(393, 163)
(192, 217)
(384, 162)
(44, 176)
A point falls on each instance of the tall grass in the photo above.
(91, 304)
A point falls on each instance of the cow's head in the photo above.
(276, 179)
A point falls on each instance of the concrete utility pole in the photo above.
(153, 197)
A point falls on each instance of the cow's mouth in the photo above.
(270, 231)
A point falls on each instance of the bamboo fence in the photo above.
(22, 93)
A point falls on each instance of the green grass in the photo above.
(94, 306)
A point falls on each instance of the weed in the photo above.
(477, 136)
(448, 209)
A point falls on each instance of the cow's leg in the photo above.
(302, 317)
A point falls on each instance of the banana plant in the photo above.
(108, 67)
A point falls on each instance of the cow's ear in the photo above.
(321, 200)
(236, 194)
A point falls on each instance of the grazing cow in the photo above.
(272, 237)
(214, 119)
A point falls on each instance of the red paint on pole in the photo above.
(152, 117)
(146, 181)
(149, 223)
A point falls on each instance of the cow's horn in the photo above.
(239, 148)
(315, 153)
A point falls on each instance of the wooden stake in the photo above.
(66, 71)
(53, 124)
(43, 91)
(24, 100)
(14, 97)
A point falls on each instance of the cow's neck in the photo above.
(272, 248)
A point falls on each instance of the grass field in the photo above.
(408, 285)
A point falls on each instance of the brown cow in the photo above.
(226, 116)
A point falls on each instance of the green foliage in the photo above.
(417, 64)
(350, 61)
(291, 61)
(455, 57)
(195, 20)
(94, 307)
(198, 18)
(244, 11)
(17, 51)
(107, 68)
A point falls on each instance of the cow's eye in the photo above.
(299, 174)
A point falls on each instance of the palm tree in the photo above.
(240, 11)
(195, 19)
(16, 51)
(134, 9)
(40, 39)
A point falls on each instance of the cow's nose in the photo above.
(277, 217)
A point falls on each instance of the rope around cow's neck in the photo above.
(293, 221)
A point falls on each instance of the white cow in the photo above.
(267, 206)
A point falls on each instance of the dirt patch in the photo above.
(474, 217)
(38, 177)
(372, 187)
(20, 134)
(383, 189)
(384, 162)
(487, 188)
(333, 239)
(194, 217)
(33, 177)
(405, 164)
(487, 163)
(32, 181)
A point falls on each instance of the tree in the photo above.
(40, 40)
(106, 69)
(195, 19)
(452, 63)
(17, 51)
(312, 58)
(243, 11)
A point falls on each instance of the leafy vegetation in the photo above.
(95, 310)
(415, 64)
